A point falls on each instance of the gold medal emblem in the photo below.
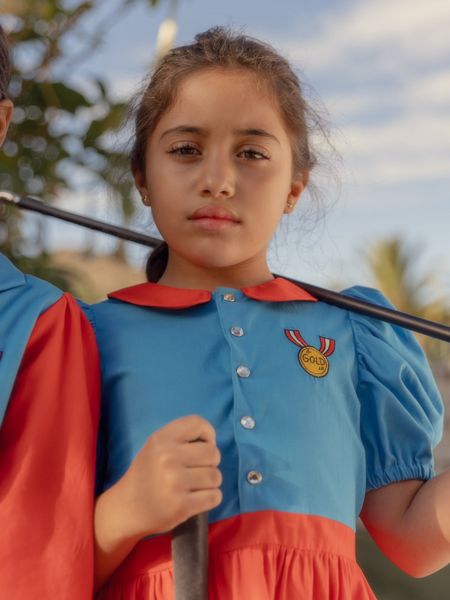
(313, 360)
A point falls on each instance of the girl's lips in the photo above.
(214, 212)
(214, 224)
(214, 217)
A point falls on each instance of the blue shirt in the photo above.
(312, 405)
(22, 299)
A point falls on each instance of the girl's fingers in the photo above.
(201, 478)
(200, 454)
(202, 501)
(190, 429)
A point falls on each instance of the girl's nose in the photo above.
(218, 179)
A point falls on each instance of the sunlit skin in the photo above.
(221, 145)
(6, 111)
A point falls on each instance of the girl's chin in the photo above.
(214, 265)
(214, 260)
(209, 253)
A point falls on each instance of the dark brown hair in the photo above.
(5, 65)
(220, 47)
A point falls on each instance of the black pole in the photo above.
(429, 328)
(35, 205)
(190, 558)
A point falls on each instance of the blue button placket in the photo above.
(233, 307)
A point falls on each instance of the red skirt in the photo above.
(266, 555)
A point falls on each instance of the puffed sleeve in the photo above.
(47, 449)
(401, 408)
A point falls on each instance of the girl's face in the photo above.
(218, 171)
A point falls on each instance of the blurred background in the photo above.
(379, 72)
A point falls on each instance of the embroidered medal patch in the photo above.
(313, 360)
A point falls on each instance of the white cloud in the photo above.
(426, 93)
(433, 91)
(412, 147)
(395, 30)
(383, 64)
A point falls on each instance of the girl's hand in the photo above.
(172, 478)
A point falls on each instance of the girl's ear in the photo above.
(139, 180)
(298, 186)
(6, 111)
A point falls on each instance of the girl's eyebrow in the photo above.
(203, 132)
(257, 132)
(184, 129)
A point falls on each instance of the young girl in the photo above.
(49, 396)
(228, 390)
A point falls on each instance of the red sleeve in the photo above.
(47, 462)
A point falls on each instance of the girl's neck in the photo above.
(184, 274)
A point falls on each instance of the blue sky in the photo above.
(382, 69)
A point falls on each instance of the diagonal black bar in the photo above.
(35, 205)
(430, 328)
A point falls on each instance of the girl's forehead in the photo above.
(223, 83)
(223, 95)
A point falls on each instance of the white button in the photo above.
(254, 477)
(237, 331)
(248, 423)
(243, 371)
(229, 298)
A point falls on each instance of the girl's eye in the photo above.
(253, 154)
(184, 150)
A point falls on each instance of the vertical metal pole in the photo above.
(190, 558)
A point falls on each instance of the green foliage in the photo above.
(395, 268)
(60, 131)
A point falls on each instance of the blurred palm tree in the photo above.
(394, 266)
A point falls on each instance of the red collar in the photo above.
(163, 296)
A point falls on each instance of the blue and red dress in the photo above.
(312, 406)
(49, 404)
